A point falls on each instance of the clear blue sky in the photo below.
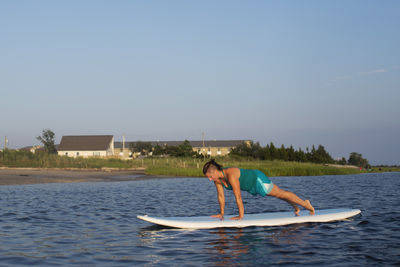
(290, 72)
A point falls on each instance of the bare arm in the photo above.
(221, 200)
(236, 191)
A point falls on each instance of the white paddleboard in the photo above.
(261, 219)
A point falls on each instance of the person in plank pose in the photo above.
(253, 181)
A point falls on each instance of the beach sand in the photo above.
(19, 176)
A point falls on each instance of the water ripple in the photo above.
(94, 224)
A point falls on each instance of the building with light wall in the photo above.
(86, 146)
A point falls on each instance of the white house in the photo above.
(86, 146)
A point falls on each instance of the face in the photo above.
(212, 174)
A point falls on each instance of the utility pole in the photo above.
(123, 145)
(204, 151)
(5, 142)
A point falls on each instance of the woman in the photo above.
(253, 181)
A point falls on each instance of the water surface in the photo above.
(95, 224)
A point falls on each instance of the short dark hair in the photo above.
(209, 163)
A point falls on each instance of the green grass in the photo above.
(188, 167)
(19, 159)
(193, 168)
(386, 169)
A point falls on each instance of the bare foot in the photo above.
(296, 210)
(309, 207)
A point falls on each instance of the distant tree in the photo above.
(342, 161)
(300, 156)
(48, 141)
(322, 156)
(311, 154)
(270, 152)
(283, 155)
(171, 150)
(357, 160)
(185, 149)
(243, 150)
(257, 151)
(142, 147)
(252, 150)
(267, 152)
(291, 153)
(274, 151)
(158, 150)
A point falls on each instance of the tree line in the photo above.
(315, 155)
(183, 150)
(271, 152)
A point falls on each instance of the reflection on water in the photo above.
(95, 224)
(290, 235)
(229, 245)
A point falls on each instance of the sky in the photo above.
(289, 72)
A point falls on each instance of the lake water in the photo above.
(95, 224)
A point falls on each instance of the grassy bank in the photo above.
(168, 166)
(19, 159)
(191, 167)
(386, 169)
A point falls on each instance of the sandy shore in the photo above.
(18, 176)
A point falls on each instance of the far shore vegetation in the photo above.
(178, 166)
(181, 160)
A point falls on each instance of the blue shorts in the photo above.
(264, 184)
(263, 187)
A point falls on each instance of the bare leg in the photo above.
(292, 199)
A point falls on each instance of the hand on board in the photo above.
(219, 216)
(236, 218)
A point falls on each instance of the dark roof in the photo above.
(207, 143)
(85, 142)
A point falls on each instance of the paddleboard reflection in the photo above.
(232, 245)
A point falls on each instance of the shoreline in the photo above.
(23, 176)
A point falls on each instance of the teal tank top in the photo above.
(252, 181)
